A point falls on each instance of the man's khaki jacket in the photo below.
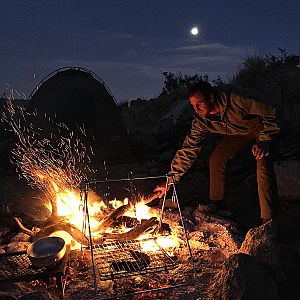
(242, 112)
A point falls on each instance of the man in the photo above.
(241, 118)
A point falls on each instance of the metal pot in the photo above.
(47, 252)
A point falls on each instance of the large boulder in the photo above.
(261, 243)
(241, 278)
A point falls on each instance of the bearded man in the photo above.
(242, 117)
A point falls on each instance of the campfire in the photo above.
(120, 220)
(116, 246)
(125, 237)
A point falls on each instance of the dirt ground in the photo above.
(242, 202)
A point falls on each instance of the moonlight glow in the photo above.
(194, 31)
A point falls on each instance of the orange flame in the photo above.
(70, 205)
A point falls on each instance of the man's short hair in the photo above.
(202, 87)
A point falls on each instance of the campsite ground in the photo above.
(242, 202)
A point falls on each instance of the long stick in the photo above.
(22, 227)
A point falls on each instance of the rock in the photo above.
(188, 212)
(260, 242)
(208, 213)
(241, 277)
(21, 237)
(205, 209)
(17, 246)
(215, 236)
(36, 296)
(221, 232)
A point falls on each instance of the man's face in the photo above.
(202, 105)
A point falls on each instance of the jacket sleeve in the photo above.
(268, 112)
(189, 151)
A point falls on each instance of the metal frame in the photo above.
(84, 187)
(130, 261)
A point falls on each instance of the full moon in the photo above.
(194, 31)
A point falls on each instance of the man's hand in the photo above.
(261, 149)
(161, 189)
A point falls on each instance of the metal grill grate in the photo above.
(17, 267)
(122, 259)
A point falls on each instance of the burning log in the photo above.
(112, 217)
(134, 233)
(54, 214)
(71, 229)
(151, 198)
(126, 221)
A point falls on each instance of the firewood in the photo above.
(151, 198)
(112, 217)
(71, 229)
(126, 221)
(134, 233)
(22, 227)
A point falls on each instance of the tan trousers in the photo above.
(266, 179)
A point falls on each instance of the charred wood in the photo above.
(126, 221)
(71, 229)
(112, 217)
(134, 233)
(53, 220)
(151, 198)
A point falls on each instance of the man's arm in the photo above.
(185, 156)
(189, 151)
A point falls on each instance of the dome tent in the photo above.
(76, 97)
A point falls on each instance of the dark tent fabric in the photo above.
(76, 96)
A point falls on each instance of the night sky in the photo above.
(128, 43)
